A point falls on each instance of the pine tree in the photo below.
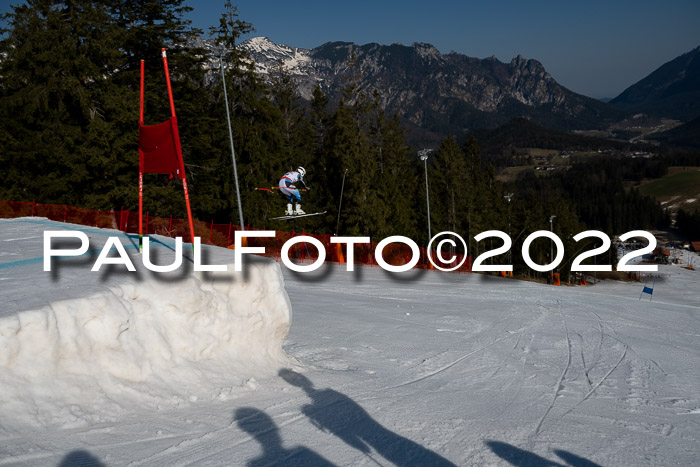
(448, 185)
(320, 117)
(256, 122)
(58, 57)
(351, 151)
(70, 96)
(398, 182)
(145, 27)
(326, 189)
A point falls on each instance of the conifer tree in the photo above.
(350, 150)
(319, 116)
(57, 58)
(145, 27)
(70, 92)
(255, 120)
(449, 185)
(326, 189)
(397, 185)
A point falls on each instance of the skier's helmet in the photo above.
(301, 170)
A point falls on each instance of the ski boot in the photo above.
(298, 211)
(290, 210)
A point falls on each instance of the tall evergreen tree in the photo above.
(326, 189)
(256, 121)
(351, 151)
(449, 185)
(58, 57)
(397, 183)
(70, 92)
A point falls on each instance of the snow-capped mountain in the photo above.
(266, 53)
(300, 63)
(440, 93)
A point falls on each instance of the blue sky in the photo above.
(595, 48)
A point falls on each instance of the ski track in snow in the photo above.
(441, 369)
(557, 386)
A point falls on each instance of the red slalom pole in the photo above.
(141, 166)
(176, 135)
(167, 79)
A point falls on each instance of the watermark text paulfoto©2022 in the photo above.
(444, 263)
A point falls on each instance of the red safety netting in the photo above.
(223, 235)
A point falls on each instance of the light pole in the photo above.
(423, 154)
(551, 244)
(510, 252)
(230, 137)
(340, 203)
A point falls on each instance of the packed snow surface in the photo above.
(153, 340)
(417, 368)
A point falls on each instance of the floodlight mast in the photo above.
(230, 137)
(551, 244)
(423, 154)
(510, 252)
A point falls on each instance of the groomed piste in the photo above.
(377, 368)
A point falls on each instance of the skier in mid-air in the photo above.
(291, 192)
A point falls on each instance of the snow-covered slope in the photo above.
(306, 71)
(266, 54)
(422, 368)
(154, 340)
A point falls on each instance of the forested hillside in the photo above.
(69, 83)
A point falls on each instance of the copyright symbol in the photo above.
(439, 248)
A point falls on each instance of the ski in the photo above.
(277, 188)
(295, 216)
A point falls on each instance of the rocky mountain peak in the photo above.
(266, 55)
(426, 50)
(259, 44)
(441, 94)
(529, 64)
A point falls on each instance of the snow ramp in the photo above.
(148, 341)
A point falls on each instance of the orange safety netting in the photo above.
(222, 235)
